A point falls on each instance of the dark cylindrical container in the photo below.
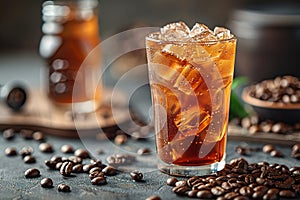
(268, 41)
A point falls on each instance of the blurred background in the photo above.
(271, 43)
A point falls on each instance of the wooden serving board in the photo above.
(241, 134)
(39, 113)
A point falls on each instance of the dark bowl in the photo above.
(278, 112)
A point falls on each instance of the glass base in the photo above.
(188, 171)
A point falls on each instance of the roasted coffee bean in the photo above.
(270, 196)
(25, 151)
(75, 159)
(109, 171)
(143, 151)
(120, 139)
(56, 159)
(153, 198)
(221, 198)
(58, 165)
(96, 174)
(171, 181)
(217, 191)
(204, 194)
(296, 148)
(253, 129)
(241, 150)
(46, 148)
(78, 168)
(231, 195)
(50, 164)
(136, 175)
(47, 183)
(38, 136)
(246, 122)
(82, 153)
(279, 128)
(287, 193)
(246, 191)
(32, 173)
(67, 149)
(273, 191)
(63, 188)
(268, 148)
(276, 153)
(180, 190)
(66, 168)
(192, 193)
(87, 167)
(29, 159)
(266, 127)
(9, 134)
(10, 151)
(226, 186)
(181, 183)
(99, 180)
(95, 169)
(26, 134)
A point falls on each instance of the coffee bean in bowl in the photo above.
(275, 99)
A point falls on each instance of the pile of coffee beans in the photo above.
(240, 180)
(285, 89)
(255, 125)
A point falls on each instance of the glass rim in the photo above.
(149, 38)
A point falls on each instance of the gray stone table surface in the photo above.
(13, 184)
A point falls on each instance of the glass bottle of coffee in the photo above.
(69, 47)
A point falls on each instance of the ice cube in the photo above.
(198, 29)
(175, 50)
(192, 121)
(222, 33)
(178, 31)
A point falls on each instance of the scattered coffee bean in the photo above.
(58, 165)
(9, 134)
(120, 159)
(63, 188)
(75, 159)
(10, 151)
(56, 159)
(276, 153)
(78, 168)
(46, 148)
(120, 139)
(241, 150)
(87, 167)
(96, 174)
(32, 173)
(193, 193)
(136, 175)
(153, 198)
(99, 180)
(66, 168)
(38, 136)
(50, 164)
(82, 153)
(67, 149)
(25, 151)
(268, 148)
(29, 159)
(109, 171)
(94, 169)
(26, 134)
(143, 151)
(296, 151)
(171, 181)
(47, 183)
(287, 194)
